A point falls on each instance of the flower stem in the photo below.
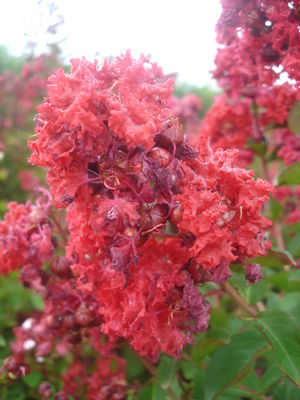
(238, 299)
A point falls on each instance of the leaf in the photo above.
(33, 380)
(231, 362)
(282, 332)
(286, 390)
(293, 245)
(290, 175)
(205, 347)
(254, 293)
(135, 368)
(284, 255)
(2, 341)
(275, 209)
(294, 119)
(146, 393)
(198, 392)
(269, 378)
(166, 372)
(285, 280)
(15, 391)
(165, 375)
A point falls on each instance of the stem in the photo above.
(149, 367)
(213, 293)
(278, 235)
(276, 224)
(238, 299)
(60, 229)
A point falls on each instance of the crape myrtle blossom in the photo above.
(143, 206)
(26, 235)
(257, 67)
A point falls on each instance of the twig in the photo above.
(149, 367)
(60, 229)
(238, 299)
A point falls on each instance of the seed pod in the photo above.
(162, 156)
(10, 364)
(45, 390)
(69, 320)
(176, 214)
(74, 338)
(270, 55)
(62, 268)
(84, 316)
(54, 321)
(255, 21)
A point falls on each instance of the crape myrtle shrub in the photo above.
(20, 92)
(147, 251)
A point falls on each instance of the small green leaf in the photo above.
(282, 332)
(259, 148)
(293, 245)
(275, 209)
(294, 119)
(2, 341)
(290, 175)
(33, 380)
(231, 362)
(254, 293)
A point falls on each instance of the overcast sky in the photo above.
(178, 34)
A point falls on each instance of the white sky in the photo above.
(178, 34)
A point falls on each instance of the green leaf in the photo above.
(198, 392)
(275, 209)
(135, 368)
(259, 148)
(204, 347)
(2, 341)
(33, 380)
(286, 391)
(282, 332)
(293, 245)
(290, 175)
(285, 280)
(165, 377)
(232, 362)
(284, 255)
(254, 293)
(146, 393)
(269, 378)
(166, 372)
(294, 119)
(15, 392)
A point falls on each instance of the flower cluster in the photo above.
(257, 67)
(143, 207)
(26, 235)
(20, 92)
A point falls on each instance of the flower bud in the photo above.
(45, 390)
(84, 316)
(54, 321)
(253, 273)
(162, 156)
(62, 268)
(176, 214)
